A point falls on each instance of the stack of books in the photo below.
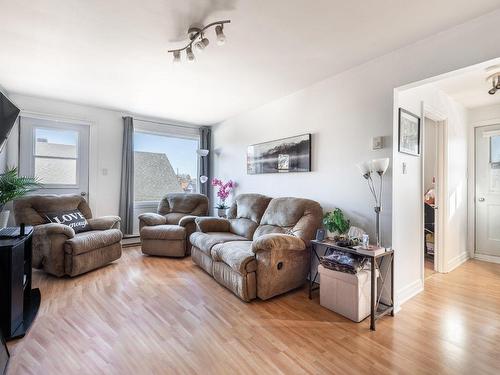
(372, 250)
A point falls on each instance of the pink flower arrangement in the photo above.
(223, 191)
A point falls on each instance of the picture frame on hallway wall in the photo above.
(409, 133)
(286, 155)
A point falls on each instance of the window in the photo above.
(495, 149)
(164, 164)
(55, 156)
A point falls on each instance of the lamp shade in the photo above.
(364, 168)
(202, 152)
(380, 165)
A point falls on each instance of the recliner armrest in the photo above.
(151, 219)
(212, 224)
(105, 222)
(277, 242)
(53, 228)
(187, 220)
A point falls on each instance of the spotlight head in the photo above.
(202, 44)
(498, 83)
(221, 38)
(493, 90)
(190, 54)
(177, 57)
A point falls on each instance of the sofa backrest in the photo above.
(174, 206)
(296, 216)
(31, 209)
(246, 212)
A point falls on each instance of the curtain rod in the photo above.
(169, 124)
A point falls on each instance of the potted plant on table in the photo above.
(337, 223)
(224, 188)
(13, 186)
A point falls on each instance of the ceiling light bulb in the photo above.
(202, 44)
(190, 54)
(221, 38)
(493, 90)
(177, 57)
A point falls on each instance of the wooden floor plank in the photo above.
(166, 316)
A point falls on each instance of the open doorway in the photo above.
(430, 154)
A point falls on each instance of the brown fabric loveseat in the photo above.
(166, 232)
(56, 247)
(262, 248)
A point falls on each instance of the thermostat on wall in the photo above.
(377, 143)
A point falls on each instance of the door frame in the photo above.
(441, 121)
(471, 196)
(92, 155)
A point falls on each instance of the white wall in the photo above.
(343, 112)
(454, 208)
(105, 146)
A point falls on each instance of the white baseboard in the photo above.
(487, 258)
(407, 293)
(457, 261)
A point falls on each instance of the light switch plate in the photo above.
(405, 169)
(104, 171)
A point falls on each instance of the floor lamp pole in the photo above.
(377, 214)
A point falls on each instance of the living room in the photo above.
(165, 139)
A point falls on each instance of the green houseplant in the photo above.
(13, 186)
(336, 222)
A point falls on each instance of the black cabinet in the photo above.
(18, 302)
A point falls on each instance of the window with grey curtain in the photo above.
(127, 181)
(206, 143)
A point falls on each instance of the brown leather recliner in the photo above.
(56, 247)
(262, 248)
(166, 232)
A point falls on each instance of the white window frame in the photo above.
(172, 131)
(29, 143)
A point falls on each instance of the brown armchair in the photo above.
(165, 233)
(56, 247)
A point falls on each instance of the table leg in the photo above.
(311, 271)
(373, 299)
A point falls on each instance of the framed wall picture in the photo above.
(409, 133)
(292, 154)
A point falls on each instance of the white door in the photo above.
(488, 190)
(56, 152)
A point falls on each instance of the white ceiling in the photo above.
(470, 88)
(112, 53)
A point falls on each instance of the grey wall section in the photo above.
(343, 113)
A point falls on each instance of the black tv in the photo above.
(8, 117)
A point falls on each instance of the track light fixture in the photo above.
(199, 40)
(495, 83)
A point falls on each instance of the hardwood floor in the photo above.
(146, 315)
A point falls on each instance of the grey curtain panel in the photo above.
(127, 182)
(206, 143)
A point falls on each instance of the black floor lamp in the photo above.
(379, 167)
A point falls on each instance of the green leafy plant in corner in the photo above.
(336, 221)
(13, 186)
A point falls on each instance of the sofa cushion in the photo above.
(295, 216)
(91, 240)
(205, 241)
(236, 254)
(163, 232)
(246, 212)
(173, 218)
(184, 203)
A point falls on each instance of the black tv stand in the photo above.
(19, 303)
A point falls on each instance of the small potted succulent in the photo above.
(223, 191)
(337, 224)
(13, 186)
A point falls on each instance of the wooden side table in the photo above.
(378, 309)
